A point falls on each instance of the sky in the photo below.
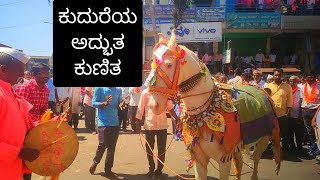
(27, 25)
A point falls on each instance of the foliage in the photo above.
(179, 7)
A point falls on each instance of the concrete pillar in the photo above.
(215, 47)
(144, 49)
(268, 46)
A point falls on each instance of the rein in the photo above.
(172, 86)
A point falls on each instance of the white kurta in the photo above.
(76, 99)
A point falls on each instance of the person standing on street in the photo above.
(257, 80)
(107, 100)
(75, 106)
(281, 94)
(14, 113)
(90, 111)
(135, 93)
(123, 109)
(315, 123)
(310, 94)
(237, 77)
(36, 92)
(296, 126)
(63, 95)
(52, 100)
(155, 125)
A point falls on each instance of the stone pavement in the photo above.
(131, 162)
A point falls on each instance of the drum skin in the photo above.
(57, 157)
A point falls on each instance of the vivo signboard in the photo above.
(195, 32)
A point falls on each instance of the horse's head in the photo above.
(172, 64)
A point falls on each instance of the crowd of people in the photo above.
(106, 110)
(247, 63)
(109, 110)
(296, 104)
(292, 7)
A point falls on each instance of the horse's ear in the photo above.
(162, 38)
(172, 42)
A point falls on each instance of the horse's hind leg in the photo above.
(238, 163)
(224, 169)
(261, 147)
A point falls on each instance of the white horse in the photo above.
(177, 69)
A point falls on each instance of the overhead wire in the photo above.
(10, 3)
(26, 24)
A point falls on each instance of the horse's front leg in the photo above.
(201, 169)
(238, 163)
(224, 169)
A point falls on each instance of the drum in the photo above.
(58, 147)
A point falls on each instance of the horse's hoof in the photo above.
(254, 177)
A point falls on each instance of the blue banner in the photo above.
(165, 21)
(166, 11)
(254, 20)
(210, 14)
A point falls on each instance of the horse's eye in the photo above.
(169, 65)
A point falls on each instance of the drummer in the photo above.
(36, 92)
(14, 116)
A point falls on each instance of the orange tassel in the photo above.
(55, 177)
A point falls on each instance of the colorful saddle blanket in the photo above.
(255, 111)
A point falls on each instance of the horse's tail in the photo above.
(276, 149)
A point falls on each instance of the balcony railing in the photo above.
(297, 9)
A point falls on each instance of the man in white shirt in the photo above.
(237, 77)
(295, 124)
(155, 125)
(257, 80)
(90, 111)
(63, 95)
(310, 94)
(259, 59)
(315, 123)
(75, 99)
(135, 93)
(273, 58)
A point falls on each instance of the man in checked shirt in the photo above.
(36, 92)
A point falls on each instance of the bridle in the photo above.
(172, 86)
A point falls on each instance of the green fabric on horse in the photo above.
(251, 103)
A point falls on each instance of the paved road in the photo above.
(131, 162)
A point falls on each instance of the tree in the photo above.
(153, 19)
(179, 7)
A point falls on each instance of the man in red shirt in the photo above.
(36, 92)
(14, 116)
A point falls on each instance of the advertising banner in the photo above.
(210, 14)
(195, 32)
(254, 20)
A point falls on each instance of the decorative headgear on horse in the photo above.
(164, 49)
